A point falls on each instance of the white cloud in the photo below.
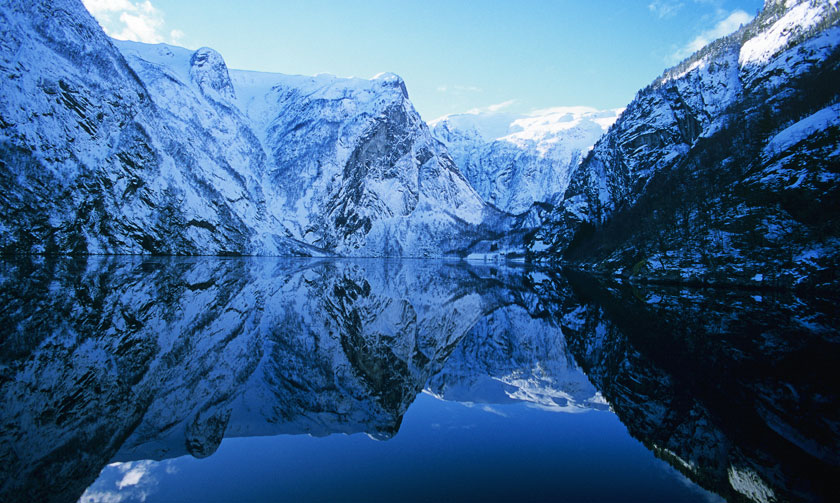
(129, 481)
(459, 89)
(97, 7)
(176, 36)
(132, 20)
(500, 106)
(497, 107)
(132, 477)
(728, 25)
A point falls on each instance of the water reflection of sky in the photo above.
(443, 451)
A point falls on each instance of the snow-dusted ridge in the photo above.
(313, 130)
(797, 20)
(515, 160)
(120, 147)
(123, 147)
(722, 170)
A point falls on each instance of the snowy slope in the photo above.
(354, 168)
(697, 181)
(158, 149)
(347, 164)
(92, 164)
(515, 160)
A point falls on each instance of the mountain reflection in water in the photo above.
(109, 359)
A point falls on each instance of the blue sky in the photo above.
(454, 55)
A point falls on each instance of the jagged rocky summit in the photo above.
(120, 147)
(724, 169)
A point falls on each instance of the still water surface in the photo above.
(204, 379)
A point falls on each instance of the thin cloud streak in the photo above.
(726, 26)
(664, 8)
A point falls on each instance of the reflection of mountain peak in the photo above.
(509, 356)
(338, 347)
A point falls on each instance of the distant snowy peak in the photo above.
(515, 160)
(540, 125)
(554, 123)
(486, 126)
(209, 71)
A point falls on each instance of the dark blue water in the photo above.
(163, 379)
(443, 451)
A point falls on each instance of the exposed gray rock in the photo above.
(209, 72)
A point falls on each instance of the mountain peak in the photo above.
(210, 73)
(708, 166)
(389, 79)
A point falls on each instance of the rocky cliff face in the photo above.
(514, 160)
(157, 149)
(92, 164)
(723, 169)
(354, 168)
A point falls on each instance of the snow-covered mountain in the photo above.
(92, 163)
(158, 149)
(350, 166)
(723, 169)
(515, 160)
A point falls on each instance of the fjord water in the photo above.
(256, 379)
